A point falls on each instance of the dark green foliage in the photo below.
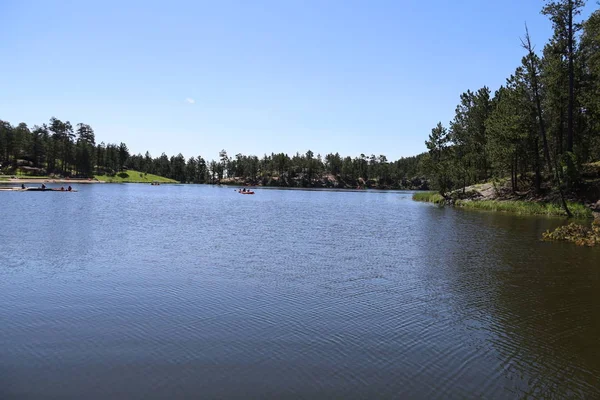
(541, 126)
(310, 170)
(84, 156)
(123, 155)
(58, 149)
(440, 158)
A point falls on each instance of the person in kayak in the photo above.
(22, 186)
(69, 188)
(43, 186)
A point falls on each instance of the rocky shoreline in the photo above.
(590, 197)
(326, 182)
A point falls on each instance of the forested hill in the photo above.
(62, 149)
(542, 127)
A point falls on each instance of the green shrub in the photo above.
(430, 197)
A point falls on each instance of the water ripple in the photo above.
(129, 291)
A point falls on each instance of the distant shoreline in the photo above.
(49, 180)
(310, 189)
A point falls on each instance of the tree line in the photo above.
(59, 148)
(541, 126)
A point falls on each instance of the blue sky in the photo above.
(257, 77)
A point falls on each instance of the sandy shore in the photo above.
(49, 180)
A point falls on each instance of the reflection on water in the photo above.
(133, 291)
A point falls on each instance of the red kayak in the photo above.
(247, 192)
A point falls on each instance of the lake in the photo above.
(186, 291)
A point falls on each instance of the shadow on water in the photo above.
(533, 305)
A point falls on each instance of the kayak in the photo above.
(246, 192)
(47, 190)
(33, 189)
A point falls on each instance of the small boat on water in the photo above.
(35, 189)
(46, 190)
(245, 192)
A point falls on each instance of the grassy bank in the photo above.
(512, 206)
(430, 197)
(527, 207)
(132, 176)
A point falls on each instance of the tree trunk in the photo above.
(529, 47)
(538, 175)
(561, 127)
(571, 80)
(513, 173)
(538, 103)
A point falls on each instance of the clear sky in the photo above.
(257, 76)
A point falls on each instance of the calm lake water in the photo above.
(143, 292)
